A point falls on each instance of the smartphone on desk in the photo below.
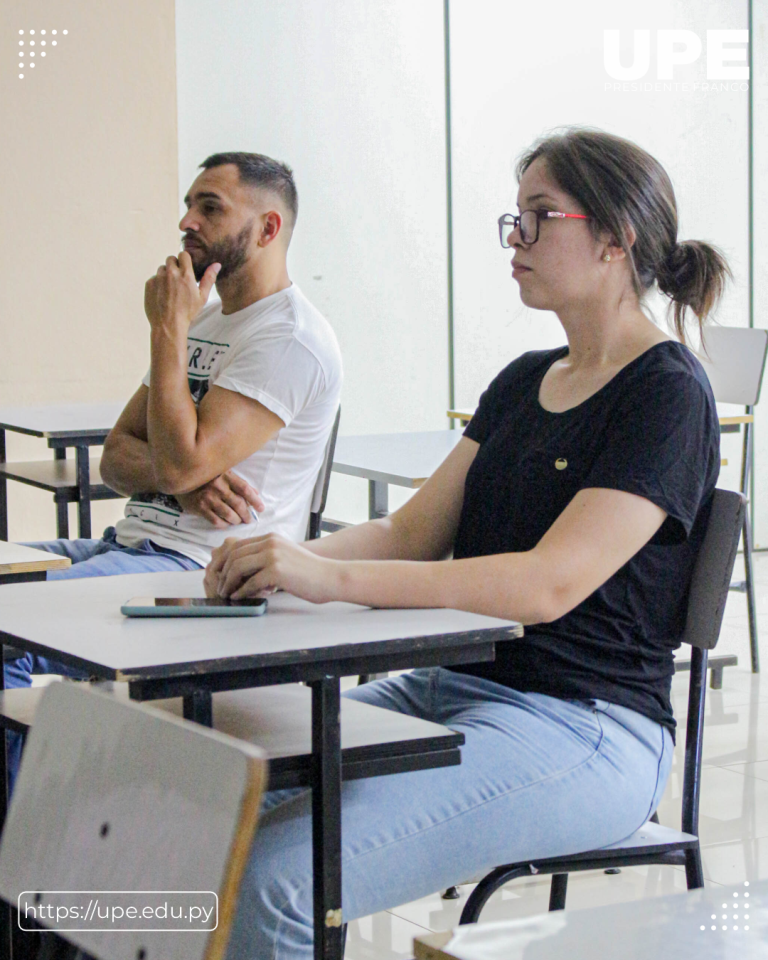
(193, 607)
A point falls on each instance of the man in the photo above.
(235, 412)
(226, 434)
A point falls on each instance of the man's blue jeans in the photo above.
(539, 777)
(90, 558)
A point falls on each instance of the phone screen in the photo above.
(198, 602)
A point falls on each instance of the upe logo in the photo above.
(677, 48)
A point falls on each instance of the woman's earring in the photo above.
(606, 257)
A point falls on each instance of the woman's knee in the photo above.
(407, 693)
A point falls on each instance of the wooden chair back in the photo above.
(114, 796)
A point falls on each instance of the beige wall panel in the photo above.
(90, 207)
(90, 201)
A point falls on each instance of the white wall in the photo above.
(350, 94)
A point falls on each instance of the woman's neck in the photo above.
(600, 337)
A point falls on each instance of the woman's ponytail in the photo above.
(693, 276)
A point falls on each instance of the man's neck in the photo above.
(243, 289)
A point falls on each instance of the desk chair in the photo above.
(112, 796)
(320, 493)
(735, 365)
(654, 843)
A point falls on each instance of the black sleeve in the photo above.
(663, 444)
(505, 390)
(481, 424)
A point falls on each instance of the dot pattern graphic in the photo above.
(735, 916)
(31, 43)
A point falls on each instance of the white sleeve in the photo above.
(279, 372)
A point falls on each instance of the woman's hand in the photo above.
(257, 567)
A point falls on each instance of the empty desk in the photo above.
(78, 425)
(403, 459)
(19, 563)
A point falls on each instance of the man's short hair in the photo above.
(261, 171)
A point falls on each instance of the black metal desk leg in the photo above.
(3, 493)
(83, 493)
(198, 707)
(326, 817)
(378, 499)
(62, 506)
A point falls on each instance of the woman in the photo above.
(574, 503)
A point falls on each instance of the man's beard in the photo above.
(231, 253)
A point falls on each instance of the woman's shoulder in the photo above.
(527, 367)
(670, 360)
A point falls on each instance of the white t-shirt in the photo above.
(282, 352)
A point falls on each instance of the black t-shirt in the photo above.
(652, 431)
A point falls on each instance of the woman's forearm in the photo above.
(374, 540)
(509, 586)
(390, 538)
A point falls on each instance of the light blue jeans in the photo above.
(90, 558)
(539, 777)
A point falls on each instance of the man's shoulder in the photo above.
(311, 329)
(283, 328)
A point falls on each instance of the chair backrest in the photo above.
(113, 796)
(712, 571)
(320, 493)
(706, 605)
(734, 361)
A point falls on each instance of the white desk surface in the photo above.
(82, 619)
(653, 929)
(403, 459)
(15, 558)
(61, 419)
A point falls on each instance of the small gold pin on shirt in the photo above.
(561, 463)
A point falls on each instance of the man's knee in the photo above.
(18, 672)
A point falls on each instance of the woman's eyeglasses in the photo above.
(528, 222)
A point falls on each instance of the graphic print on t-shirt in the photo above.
(163, 508)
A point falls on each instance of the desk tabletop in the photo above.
(79, 622)
(15, 558)
(61, 420)
(403, 459)
(677, 926)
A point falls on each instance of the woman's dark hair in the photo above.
(624, 190)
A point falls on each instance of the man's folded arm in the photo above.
(125, 463)
(176, 457)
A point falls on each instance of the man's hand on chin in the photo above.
(173, 298)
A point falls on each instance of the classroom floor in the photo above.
(733, 819)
